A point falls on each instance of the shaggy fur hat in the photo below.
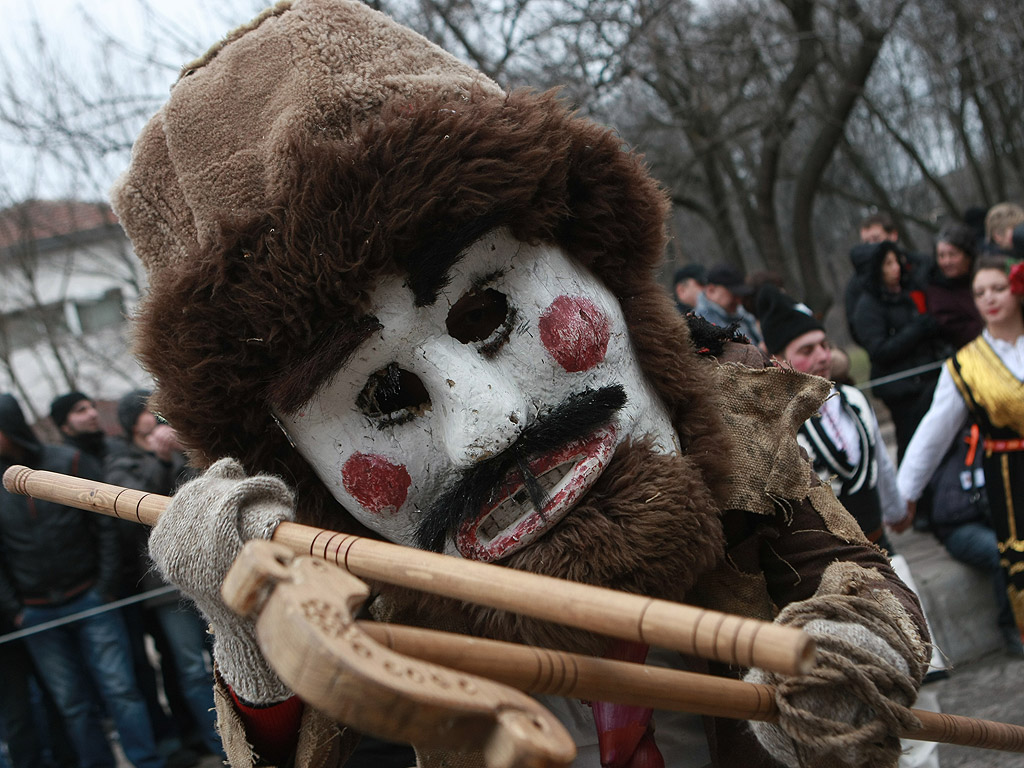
(323, 147)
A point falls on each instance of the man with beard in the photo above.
(843, 440)
(75, 415)
(430, 307)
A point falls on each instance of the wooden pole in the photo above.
(689, 630)
(544, 671)
(547, 672)
(534, 669)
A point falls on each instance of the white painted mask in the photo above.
(465, 382)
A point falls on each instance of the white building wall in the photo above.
(98, 362)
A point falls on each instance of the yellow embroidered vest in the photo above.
(986, 383)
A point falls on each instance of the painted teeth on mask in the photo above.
(517, 506)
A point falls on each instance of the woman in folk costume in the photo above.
(983, 382)
(431, 308)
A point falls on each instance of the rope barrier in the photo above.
(81, 615)
(902, 374)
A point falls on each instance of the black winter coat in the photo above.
(96, 444)
(50, 553)
(866, 260)
(130, 466)
(896, 336)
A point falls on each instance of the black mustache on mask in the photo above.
(575, 417)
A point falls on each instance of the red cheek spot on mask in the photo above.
(575, 332)
(376, 483)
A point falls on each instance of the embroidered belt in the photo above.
(1003, 446)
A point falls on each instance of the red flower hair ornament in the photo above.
(1017, 279)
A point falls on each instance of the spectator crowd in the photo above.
(945, 340)
(138, 670)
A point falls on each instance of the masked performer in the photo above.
(413, 306)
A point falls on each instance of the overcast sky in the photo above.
(68, 22)
(148, 41)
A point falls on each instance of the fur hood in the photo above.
(875, 284)
(323, 147)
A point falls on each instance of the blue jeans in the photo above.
(17, 720)
(975, 544)
(186, 635)
(97, 646)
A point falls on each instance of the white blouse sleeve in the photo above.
(936, 432)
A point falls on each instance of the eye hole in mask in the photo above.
(393, 396)
(482, 315)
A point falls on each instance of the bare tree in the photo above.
(774, 124)
(67, 268)
(63, 299)
(742, 108)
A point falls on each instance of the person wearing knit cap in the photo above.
(843, 440)
(74, 402)
(783, 320)
(388, 297)
(75, 415)
(845, 430)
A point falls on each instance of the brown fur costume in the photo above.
(324, 147)
(256, 301)
(254, 316)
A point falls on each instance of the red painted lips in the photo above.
(508, 523)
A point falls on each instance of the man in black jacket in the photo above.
(57, 562)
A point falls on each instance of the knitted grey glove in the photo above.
(194, 544)
(845, 710)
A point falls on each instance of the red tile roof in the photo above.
(36, 220)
